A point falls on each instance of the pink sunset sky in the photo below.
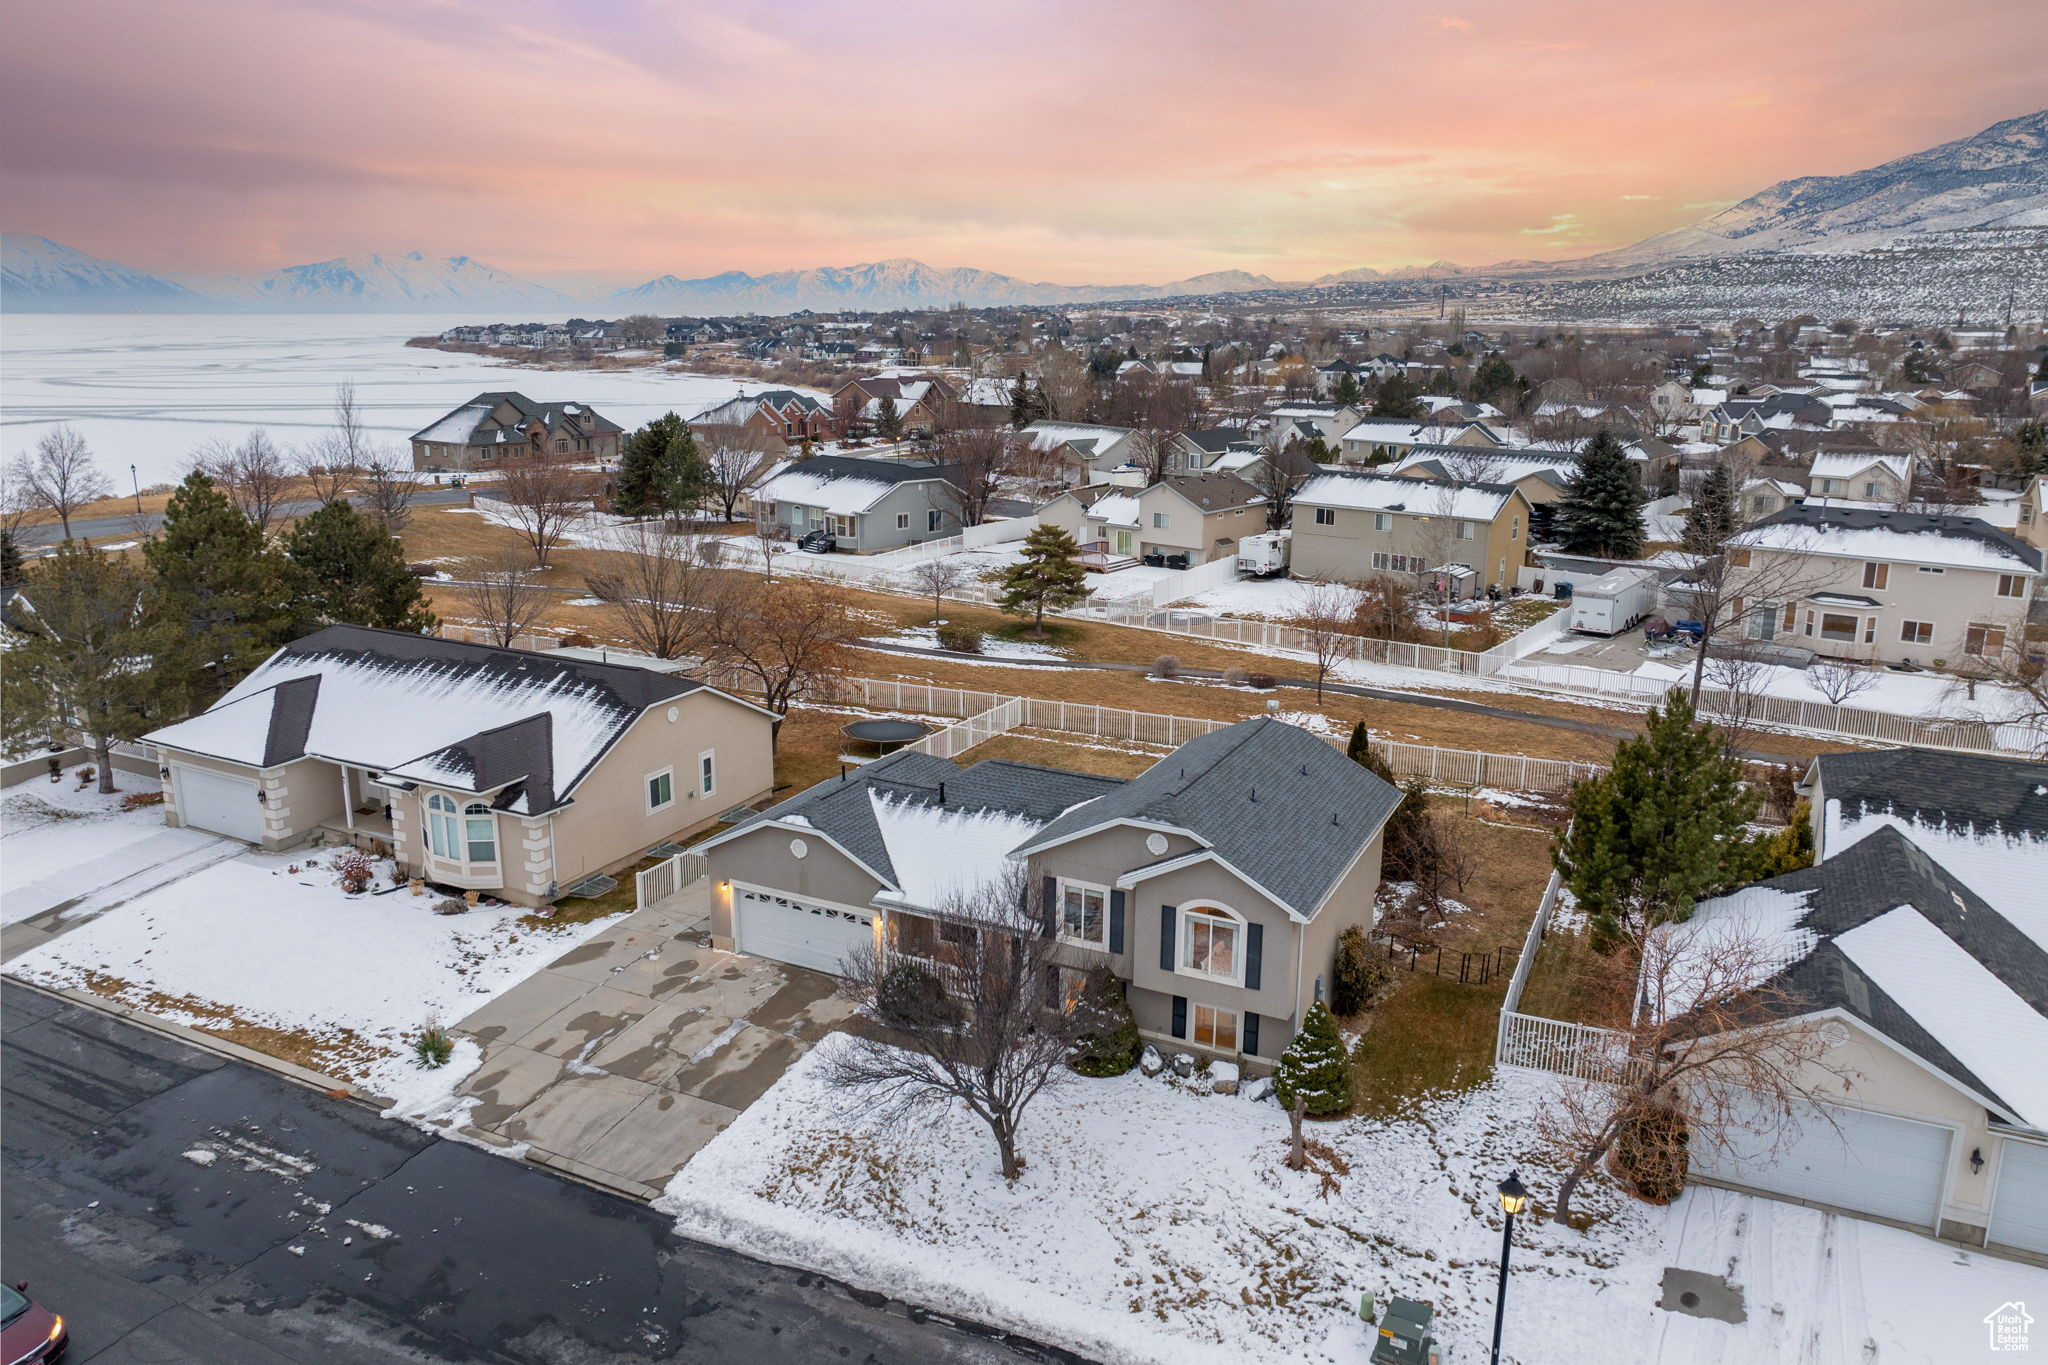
(1070, 140)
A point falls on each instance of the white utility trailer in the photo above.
(1613, 602)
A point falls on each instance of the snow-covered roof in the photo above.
(1116, 509)
(1487, 465)
(945, 857)
(842, 486)
(1046, 435)
(1417, 497)
(1901, 537)
(456, 427)
(474, 718)
(1848, 466)
(1387, 431)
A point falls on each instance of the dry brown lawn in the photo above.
(1105, 758)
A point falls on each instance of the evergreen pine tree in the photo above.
(1041, 402)
(220, 586)
(888, 422)
(683, 479)
(1361, 752)
(1114, 1047)
(1494, 380)
(1789, 849)
(1346, 390)
(1713, 516)
(1316, 1068)
(1601, 512)
(646, 461)
(1398, 398)
(1660, 830)
(10, 559)
(346, 570)
(1020, 402)
(1048, 577)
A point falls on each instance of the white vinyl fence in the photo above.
(976, 729)
(666, 878)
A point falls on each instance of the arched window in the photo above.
(1212, 942)
(481, 829)
(441, 832)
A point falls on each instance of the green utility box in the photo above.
(1404, 1336)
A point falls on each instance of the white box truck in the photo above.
(1264, 555)
(1614, 601)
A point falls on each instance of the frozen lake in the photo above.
(147, 389)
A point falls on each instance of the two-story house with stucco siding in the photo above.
(492, 428)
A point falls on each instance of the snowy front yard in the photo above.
(1155, 1224)
(342, 983)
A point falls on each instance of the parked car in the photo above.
(30, 1334)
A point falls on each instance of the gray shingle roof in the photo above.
(1954, 791)
(1271, 799)
(874, 471)
(1902, 523)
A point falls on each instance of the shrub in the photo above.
(1237, 677)
(961, 639)
(451, 905)
(1649, 1156)
(1114, 1047)
(910, 996)
(355, 870)
(1166, 666)
(578, 640)
(433, 1047)
(1316, 1067)
(137, 800)
(1357, 975)
(1262, 681)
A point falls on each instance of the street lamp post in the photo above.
(136, 484)
(1514, 1197)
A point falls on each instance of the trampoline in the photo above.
(886, 735)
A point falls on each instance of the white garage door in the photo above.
(1869, 1163)
(2019, 1211)
(216, 801)
(806, 934)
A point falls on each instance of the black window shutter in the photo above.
(1251, 1034)
(1116, 921)
(1167, 915)
(1254, 950)
(1049, 908)
(1180, 1016)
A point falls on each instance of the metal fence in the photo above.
(666, 878)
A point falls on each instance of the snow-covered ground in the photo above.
(147, 390)
(925, 637)
(289, 950)
(1154, 1223)
(59, 845)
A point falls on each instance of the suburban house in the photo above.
(1327, 420)
(1081, 450)
(923, 404)
(1193, 883)
(1872, 584)
(2031, 514)
(493, 427)
(864, 505)
(785, 414)
(1540, 476)
(1358, 526)
(1375, 440)
(1181, 521)
(1761, 497)
(1866, 476)
(503, 771)
(1918, 944)
(1735, 418)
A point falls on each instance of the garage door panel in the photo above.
(803, 933)
(220, 802)
(1850, 1158)
(2019, 1209)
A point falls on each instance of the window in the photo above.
(1382, 521)
(2012, 585)
(1929, 568)
(1515, 528)
(441, 827)
(707, 772)
(916, 936)
(1760, 502)
(480, 832)
(1084, 914)
(661, 790)
(1216, 1028)
(1326, 516)
(1465, 530)
(1209, 945)
(1873, 489)
(933, 518)
(1982, 639)
(1739, 558)
(843, 526)
(1837, 627)
(1160, 521)
(1874, 575)
(903, 521)
(1916, 632)
(1830, 486)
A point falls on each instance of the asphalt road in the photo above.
(178, 1208)
(131, 526)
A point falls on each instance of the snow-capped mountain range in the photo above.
(1995, 180)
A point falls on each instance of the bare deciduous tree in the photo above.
(1733, 587)
(330, 465)
(59, 474)
(545, 495)
(939, 577)
(500, 592)
(1326, 617)
(980, 461)
(1713, 1047)
(982, 1022)
(657, 583)
(737, 459)
(642, 329)
(783, 640)
(254, 474)
(389, 486)
(1276, 477)
(1840, 679)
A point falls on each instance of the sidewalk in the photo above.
(620, 1060)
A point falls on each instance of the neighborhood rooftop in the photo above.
(1877, 533)
(1419, 497)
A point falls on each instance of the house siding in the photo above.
(762, 858)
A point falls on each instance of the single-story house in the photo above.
(1198, 517)
(865, 505)
(1192, 882)
(510, 772)
(504, 425)
(1918, 944)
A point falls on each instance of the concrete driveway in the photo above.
(622, 1058)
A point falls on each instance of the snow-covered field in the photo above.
(1157, 1224)
(145, 390)
(288, 950)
